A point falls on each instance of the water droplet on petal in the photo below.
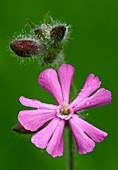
(41, 76)
(88, 84)
(88, 102)
(82, 90)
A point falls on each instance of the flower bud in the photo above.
(26, 48)
(38, 31)
(50, 58)
(57, 33)
(20, 129)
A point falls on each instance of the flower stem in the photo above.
(70, 142)
(70, 165)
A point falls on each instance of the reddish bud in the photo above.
(57, 33)
(26, 48)
(20, 129)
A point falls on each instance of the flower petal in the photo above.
(92, 83)
(41, 138)
(66, 72)
(34, 119)
(83, 142)
(96, 134)
(101, 97)
(55, 146)
(36, 104)
(49, 81)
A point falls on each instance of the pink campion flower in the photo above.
(51, 137)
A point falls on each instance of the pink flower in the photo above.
(51, 137)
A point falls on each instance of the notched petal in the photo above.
(34, 119)
(101, 97)
(92, 83)
(36, 104)
(55, 146)
(49, 81)
(95, 134)
(41, 138)
(66, 72)
(83, 142)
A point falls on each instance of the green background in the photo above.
(93, 48)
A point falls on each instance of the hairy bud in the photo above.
(57, 33)
(50, 58)
(26, 48)
(44, 42)
(38, 31)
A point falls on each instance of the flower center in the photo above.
(64, 111)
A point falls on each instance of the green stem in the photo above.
(70, 165)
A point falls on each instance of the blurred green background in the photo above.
(93, 48)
